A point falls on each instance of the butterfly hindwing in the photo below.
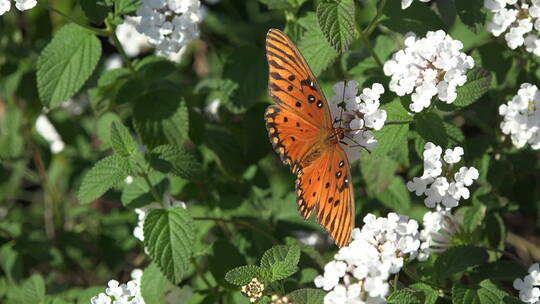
(291, 82)
(326, 187)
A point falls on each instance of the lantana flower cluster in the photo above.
(522, 117)
(133, 42)
(428, 67)
(359, 114)
(529, 286)
(406, 3)
(169, 24)
(437, 181)
(518, 20)
(22, 5)
(440, 226)
(360, 271)
(116, 293)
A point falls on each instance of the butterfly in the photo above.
(301, 129)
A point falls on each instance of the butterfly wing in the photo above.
(291, 82)
(325, 186)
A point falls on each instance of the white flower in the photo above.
(5, 6)
(406, 3)
(357, 114)
(169, 24)
(439, 228)
(361, 270)
(519, 20)
(46, 129)
(428, 67)
(131, 40)
(438, 189)
(522, 117)
(527, 287)
(22, 5)
(116, 293)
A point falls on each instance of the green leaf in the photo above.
(137, 194)
(485, 293)
(8, 259)
(95, 10)
(104, 175)
(281, 270)
(459, 259)
(473, 216)
(282, 4)
(30, 291)
(495, 230)
(318, 52)
(175, 160)
(155, 67)
(403, 296)
(278, 253)
(121, 140)
(471, 14)
(478, 83)
(240, 276)
(396, 196)
(499, 270)
(430, 294)
(308, 296)
(107, 90)
(336, 19)
(66, 63)
(153, 285)
(392, 137)
(379, 171)
(161, 117)
(418, 18)
(431, 128)
(169, 237)
(124, 7)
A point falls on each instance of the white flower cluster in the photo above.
(406, 3)
(46, 129)
(142, 212)
(360, 272)
(169, 24)
(357, 114)
(22, 5)
(116, 293)
(428, 66)
(433, 182)
(529, 287)
(439, 228)
(518, 19)
(522, 117)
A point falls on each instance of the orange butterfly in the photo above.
(300, 127)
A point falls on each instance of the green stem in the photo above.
(97, 31)
(368, 45)
(119, 46)
(399, 122)
(153, 190)
(371, 26)
(396, 280)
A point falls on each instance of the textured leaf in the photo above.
(169, 237)
(430, 295)
(379, 171)
(403, 296)
(458, 259)
(473, 216)
(392, 137)
(240, 276)
(499, 270)
(137, 194)
(318, 52)
(161, 117)
(66, 63)
(336, 19)
(30, 291)
(478, 83)
(153, 285)
(122, 7)
(278, 253)
(282, 269)
(121, 140)
(396, 196)
(95, 10)
(104, 175)
(486, 293)
(175, 160)
(471, 14)
(308, 296)
(431, 128)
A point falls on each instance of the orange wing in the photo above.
(298, 127)
(291, 82)
(327, 184)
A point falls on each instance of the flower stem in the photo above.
(97, 31)
(153, 190)
(119, 46)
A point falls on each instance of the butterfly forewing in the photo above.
(291, 82)
(299, 127)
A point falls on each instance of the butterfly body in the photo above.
(301, 129)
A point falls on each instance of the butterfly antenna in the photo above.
(357, 144)
(342, 101)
